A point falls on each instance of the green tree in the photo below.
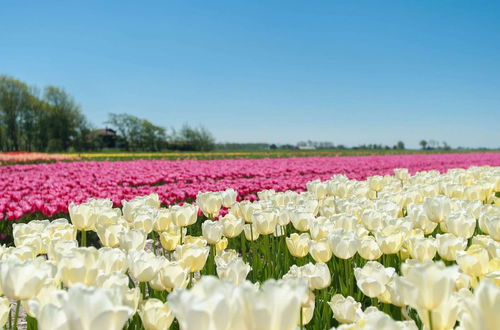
(14, 100)
(196, 139)
(423, 144)
(65, 119)
(135, 133)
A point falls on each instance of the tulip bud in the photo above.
(437, 208)
(376, 182)
(300, 220)
(83, 216)
(481, 311)
(426, 285)
(156, 315)
(233, 226)
(134, 239)
(422, 248)
(474, 261)
(344, 243)
(368, 248)
(318, 188)
(461, 224)
(109, 235)
(193, 256)
(143, 221)
(183, 216)
(143, 265)
(212, 231)
(209, 203)
(228, 197)
(84, 307)
(21, 280)
(401, 174)
(390, 239)
(221, 245)
(448, 245)
(169, 241)
(373, 277)
(79, 266)
(251, 233)
(112, 260)
(201, 306)
(174, 275)
(236, 270)
(298, 245)
(345, 310)
(162, 220)
(265, 221)
(372, 219)
(493, 225)
(320, 250)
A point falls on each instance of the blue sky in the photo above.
(349, 72)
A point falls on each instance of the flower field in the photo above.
(407, 250)
(49, 188)
(16, 157)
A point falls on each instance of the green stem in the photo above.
(301, 318)
(16, 316)
(142, 286)
(84, 238)
(243, 247)
(10, 318)
(211, 260)
(191, 277)
(181, 234)
(325, 316)
(429, 312)
(153, 237)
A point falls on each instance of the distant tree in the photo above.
(196, 139)
(433, 144)
(273, 147)
(288, 147)
(135, 133)
(241, 146)
(400, 145)
(65, 118)
(446, 146)
(423, 144)
(14, 99)
(29, 121)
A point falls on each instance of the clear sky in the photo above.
(349, 72)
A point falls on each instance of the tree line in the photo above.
(49, 120)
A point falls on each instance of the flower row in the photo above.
(49, 188)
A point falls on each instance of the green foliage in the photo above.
(30, 122)
(192, 139)
(135, 133)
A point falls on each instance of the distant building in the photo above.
(302, 147)
(105, 137)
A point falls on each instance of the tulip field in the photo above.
(50, 188)
(14, 157)
(372, 242)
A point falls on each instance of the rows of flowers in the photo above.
(49, 188)
(15, 157)
(389, 252)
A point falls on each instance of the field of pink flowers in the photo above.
(49, 188)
